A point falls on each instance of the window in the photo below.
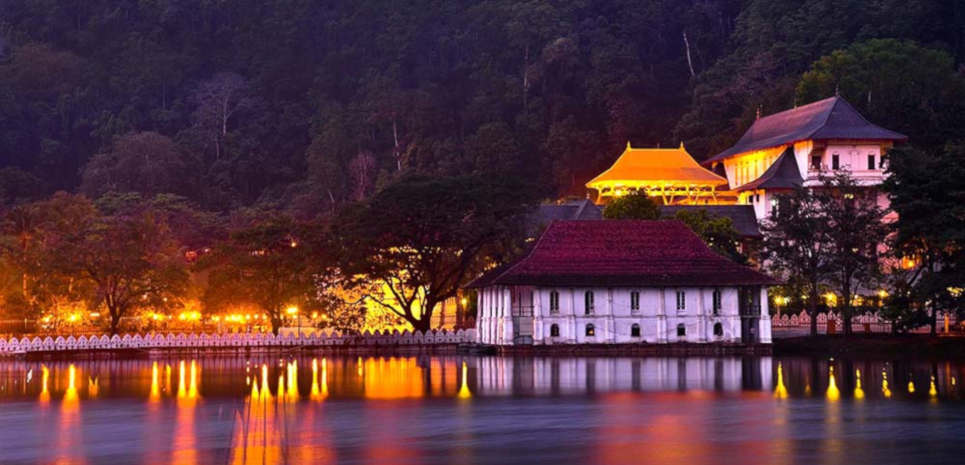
(681, 330)
(635, 301)
(555, 330)
(717, 302)
(590, 330)
(871, 162)
(681, 300)
(835, 162)
(588, 303)
(718, 330)
(816, 162)
(635, 330)
(554, 302)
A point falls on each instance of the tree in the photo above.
(796, 245)
(717, 231)
(145, 162)
(895, 83)
(422, 239)
(926, 193)
(130, 259)
(270, 261)
(218, 99)
(634, 206)
(856, 232)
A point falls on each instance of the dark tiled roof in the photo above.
(624, 253)
(573, 210)
(782, 174)
(745, 222)
(831, 118)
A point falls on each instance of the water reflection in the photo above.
(268, 410)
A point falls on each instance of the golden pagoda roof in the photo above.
(657, 166)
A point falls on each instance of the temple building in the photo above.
(670, 175)
(791, 148)
(621, 281)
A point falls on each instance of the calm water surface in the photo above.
(492, 410)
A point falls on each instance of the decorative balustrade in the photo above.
(871, 322)
(234, 340)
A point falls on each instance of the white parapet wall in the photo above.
(203, 341)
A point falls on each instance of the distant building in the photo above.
(789, 149)
(671, 176)
(621, 281)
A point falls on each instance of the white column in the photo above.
(537, 317)
(662, 316)
(701, 317)
(765, 323)
(611, 334)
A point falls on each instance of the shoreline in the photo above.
(876, 346)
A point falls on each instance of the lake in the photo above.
(473, 409)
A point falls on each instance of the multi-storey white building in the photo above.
(791, 148)
(624, 281)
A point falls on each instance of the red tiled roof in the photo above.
(623, 253)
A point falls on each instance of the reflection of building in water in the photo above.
(536, 376)
(605, 282)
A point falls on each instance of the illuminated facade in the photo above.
(792, 148)
(669, 175)
(612, 282)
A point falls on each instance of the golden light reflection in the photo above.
(292, 380)
(858, 392)
(464, 392)
(833, 393)
(70, 396)
(395, 378)
(182, 382)
(932, 389)
(155, 394)
(93, 388)
(885, 390)
(317, 393)
(911, 387)
(44, 384)
(780, 391)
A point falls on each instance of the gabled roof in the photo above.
(572, 210)
(831, 118)
(623, 253)
(665, 165)
(782, 174)
(743, 217)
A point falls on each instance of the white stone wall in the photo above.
(613, 318)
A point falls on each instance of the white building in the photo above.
(792, 148)
(622, 281)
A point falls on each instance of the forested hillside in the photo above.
(305, 105)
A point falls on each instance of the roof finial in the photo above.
(759, 111)
(628, 144)
(681, 145)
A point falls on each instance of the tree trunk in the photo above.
(934, 320)
(275, 323)
(813, 310)
(115, 320)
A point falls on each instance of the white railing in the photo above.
(872, 321)
(229, 340)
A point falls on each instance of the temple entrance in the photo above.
(749, 308)
(521, 309)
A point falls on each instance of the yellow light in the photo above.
(831, 299)
(464, 392)
(833, 393)
(911, 387)
(882, 293)
(858, 392)
(885, 390)
(955, 291)
(314, 315)
(292, 310)
(932, 390)
(95, 314)
(780, 391)
(293, 243)
(465, 301)
(73, 317)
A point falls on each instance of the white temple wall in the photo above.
(613, 318)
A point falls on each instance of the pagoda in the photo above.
(670, 176)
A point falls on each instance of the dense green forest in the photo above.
(305, 105)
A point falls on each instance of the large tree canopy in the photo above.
(424, 238)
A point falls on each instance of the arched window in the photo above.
(555, 330)
(718, 330)
(635, 330)
(554, 302)
(681, 330)
(590, 330)
(588, 303)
